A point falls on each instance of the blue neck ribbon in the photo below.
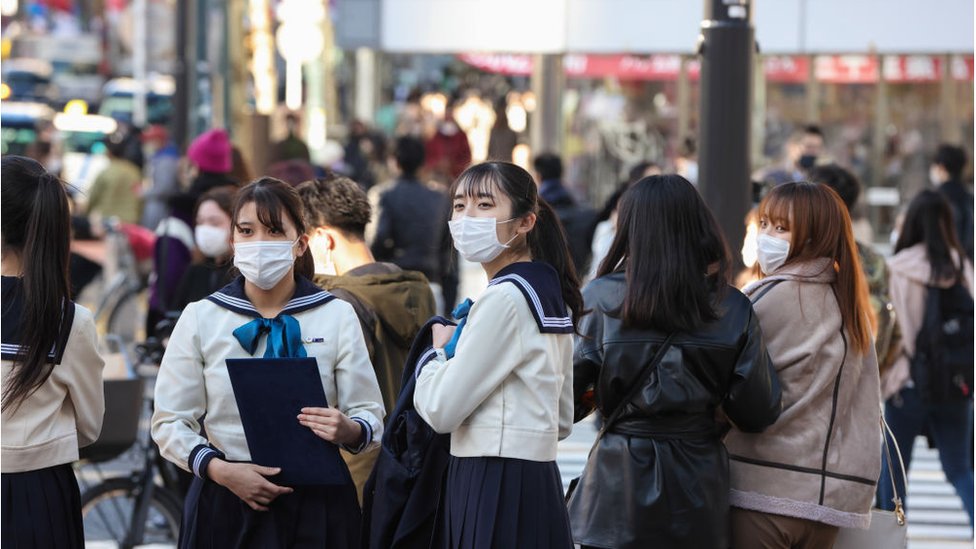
(284, 337)
(460, 313)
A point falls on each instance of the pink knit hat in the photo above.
(211, 152)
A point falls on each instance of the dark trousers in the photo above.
(949, 424)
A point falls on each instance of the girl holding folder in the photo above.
(273, 311)
(502, 384)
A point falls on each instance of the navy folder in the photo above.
(270, 393)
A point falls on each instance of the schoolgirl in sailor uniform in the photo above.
(501, 383)
(270, 311)
(53, 398)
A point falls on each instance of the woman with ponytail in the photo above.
(52, 374)
(501, 383)
(815, 469)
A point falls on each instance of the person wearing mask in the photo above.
(411, 221)
(814, 470)
(686, 163)
(211, 235)
(654, 312)
(804, 150)
(578, 221)
(946, 174)
(53, 398)
(501, 383)
(392, 304)
(448, 152)
(886, 336)
(232, 502)
(117, 190)
(502, 139)
(927, 257)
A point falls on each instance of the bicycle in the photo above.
(133, 509)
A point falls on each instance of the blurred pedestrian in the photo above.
(163, 174)
(291, 147)
(501, 382)
(392, 304)
(502, 139)
(233, 503)
(815, 469)
(653, 311)
(411, 221)
(928, 258)
(116, 191)
(577, 220)
(448, 152)
(946, 174)
(240, 171)
(211, 160)
(804, 150)
(53, 398)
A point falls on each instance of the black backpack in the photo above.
(942, 367)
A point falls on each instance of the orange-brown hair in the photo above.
(820, 226)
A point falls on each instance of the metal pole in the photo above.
(725, 116)
(140, 37)
(547, 84)
(181, 100)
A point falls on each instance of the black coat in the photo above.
(412, 231)
(660, 477)
(402, 495)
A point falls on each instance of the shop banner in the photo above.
(786, 69)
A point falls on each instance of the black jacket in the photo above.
(402, 495)
(412, 231)
(961, 201)
(660, 477)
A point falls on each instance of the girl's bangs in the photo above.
(776, 208)
(474, 184)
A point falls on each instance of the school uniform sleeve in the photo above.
(566, 403)
(181, 398)
(490, 347)
(358, 391)
(86, 389)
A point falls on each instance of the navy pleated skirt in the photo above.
(496, 503)
(41, 509)
(319, 517)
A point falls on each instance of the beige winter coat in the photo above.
(822, 457)
(909, 272)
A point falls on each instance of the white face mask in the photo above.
(322, 255)
(264, 264)
(935, 175)
(212, 241)
(476, 238)
(771, 252)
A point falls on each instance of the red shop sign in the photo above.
(846, 69)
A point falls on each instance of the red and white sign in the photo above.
(790, 69)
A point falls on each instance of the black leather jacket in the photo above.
(660, 477)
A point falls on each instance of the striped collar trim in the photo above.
(547, 305)
(307, 296)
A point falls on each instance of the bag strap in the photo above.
(885, 434)
(635, 388)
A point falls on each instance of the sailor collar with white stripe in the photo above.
(12, 317)
(540, 285)
(307, 296)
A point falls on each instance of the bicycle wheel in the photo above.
(107, 510)
(127, 316)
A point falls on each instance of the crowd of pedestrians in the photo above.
(729, 416)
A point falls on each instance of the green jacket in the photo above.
(116, 192)
(392, 305)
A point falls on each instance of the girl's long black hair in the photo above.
(547, 240)
(929, 220)
(673, 253)
(35, 226)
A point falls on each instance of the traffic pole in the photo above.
(726, 49)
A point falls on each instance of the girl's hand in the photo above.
(442, 334)
(332, 425)
(247, 482)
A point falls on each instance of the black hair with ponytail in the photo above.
(36, 225)
(547, 240)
